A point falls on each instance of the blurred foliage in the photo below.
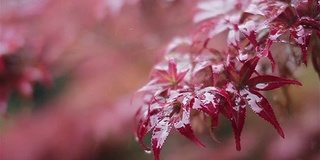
(98, 53)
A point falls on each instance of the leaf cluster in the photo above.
(204, 80)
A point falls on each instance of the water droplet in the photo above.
(148, 151)
(261, 85)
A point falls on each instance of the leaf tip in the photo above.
(281, 133)
(298, 83)
(201, 144)
(238, 146)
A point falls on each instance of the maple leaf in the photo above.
(169, 75)
(221, 15)
(227, 81)
(211, 60)
(147, 119)
(161, 116)
(165, 78)
(300, 19)
(249, 30)
(237, 113)
(244, 88)
(208, 100)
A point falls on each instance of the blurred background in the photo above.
(69, 68)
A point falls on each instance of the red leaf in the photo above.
(209, 108)
(183, 126)
(248, 29)
(232, 74)
(207, 101)
(308, 8)
(248, 68)
(237, 114)
(159, 136)
(234, 38)
(268, 82)
(260, 105)
(169, 75)
(274, 34)
(302, 38)
(148, 118)
(172, 68)
(266, 53)
(237, 120)
(162, 115)
(271, 9)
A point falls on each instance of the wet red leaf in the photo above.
(269, 82)
(228, 81)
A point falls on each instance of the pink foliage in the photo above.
(67, 68)
(229, 81)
